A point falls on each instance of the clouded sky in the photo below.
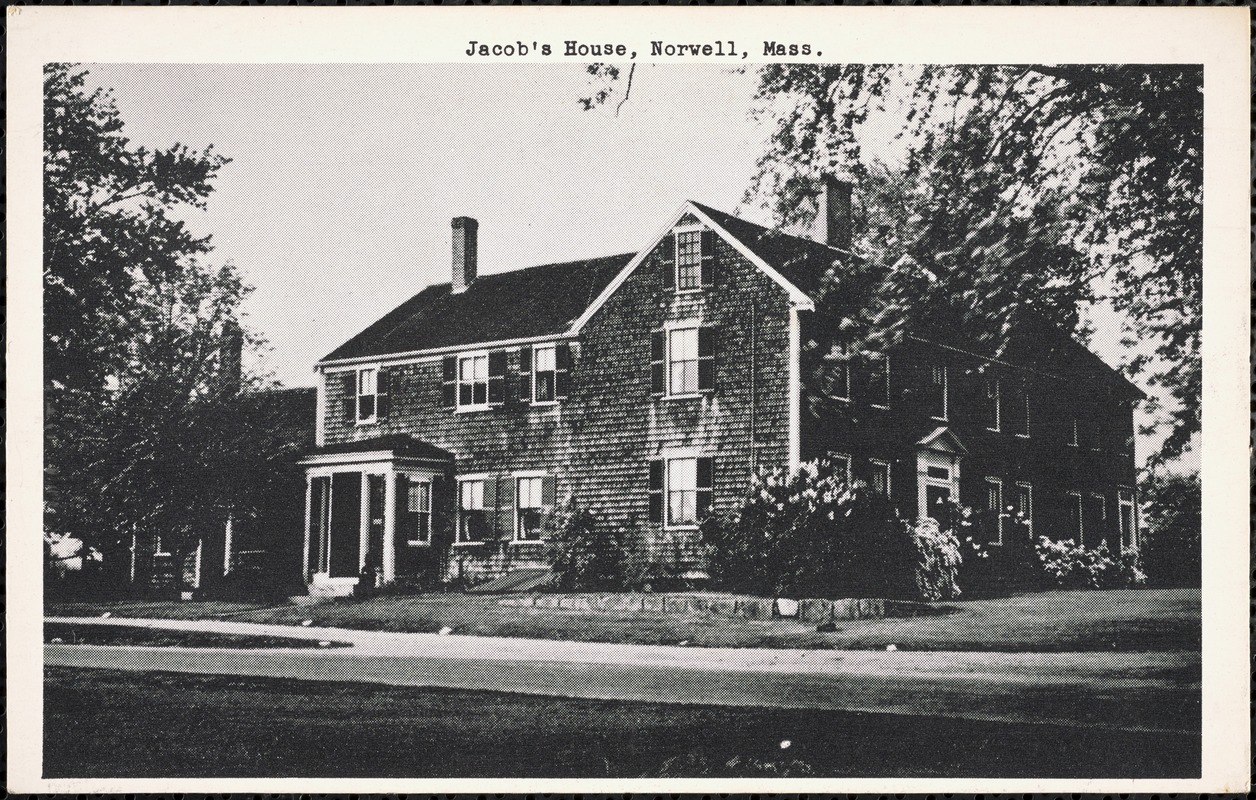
(337, 203)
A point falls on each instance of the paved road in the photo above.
(1135, 691)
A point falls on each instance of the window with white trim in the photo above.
(368, 387)
(681, 490)
(879, 474)
(530, 511)
(938, 400)
(473, 381)
(688, 260)
(544, 373)
(1024, 505)
(1076, 523)
(994, 510)
(993, 413)
(842, 466)
(1129, 518)
(418, 513)
(1094, 519)
(682, 361)
(474, 523)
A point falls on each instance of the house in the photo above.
(650, 385)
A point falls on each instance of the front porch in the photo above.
(370, 508)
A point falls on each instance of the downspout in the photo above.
(754, 383)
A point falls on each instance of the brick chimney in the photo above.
(833, 213)
(464, 253)
(230, 356)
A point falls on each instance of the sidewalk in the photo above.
(1132, 690)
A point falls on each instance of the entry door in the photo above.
(344, 551)
(938, 499)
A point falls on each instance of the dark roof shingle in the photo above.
(537, 301)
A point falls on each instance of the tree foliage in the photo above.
(144, 429)
(1172, 527)
(993, 195)
(1015, 192)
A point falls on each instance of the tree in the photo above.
(1172, 525)
(145, 433)
(1004, 194)
(1020, 191)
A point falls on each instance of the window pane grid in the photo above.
(473, 380)
(689, 260)
(682, 491)
(683, 354)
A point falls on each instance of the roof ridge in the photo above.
(776, 231)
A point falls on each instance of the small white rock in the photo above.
(57, 640)
(106, 615)
(683, 643)
(446, 631)
(305, 623)
(891, 647)
(324, 644)
(785, 743)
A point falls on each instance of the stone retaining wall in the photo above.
(809, 610)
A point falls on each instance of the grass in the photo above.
(75, 633)
(104, 723)
(1117, 620)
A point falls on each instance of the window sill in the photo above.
(471, 409)
(686, 396)
(878, 406)
(470, 544)
(418, 544)
(526, 542)
(939, 419)
(1022, 436)
(542, 403)
(370, 421)
(699, 290)
(680, 528)
(994, 430)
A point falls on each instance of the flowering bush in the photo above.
(938, 559)
(810, 534)
(1073, 566)
(586, 554)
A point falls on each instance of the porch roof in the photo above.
(400, 445)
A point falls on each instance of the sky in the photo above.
(337, 203)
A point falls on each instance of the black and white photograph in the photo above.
(629, 409)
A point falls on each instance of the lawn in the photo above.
(1129, 620)
(103, 723)
(87, 633)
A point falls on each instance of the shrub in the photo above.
(809, 534)
(588, 555)
(1069, 565)
(938, 561)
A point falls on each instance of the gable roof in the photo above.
(801, 261)
(556, 299)
(533, 302)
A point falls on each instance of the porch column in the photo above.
(305, 550)
(390, 527)
(364, 519)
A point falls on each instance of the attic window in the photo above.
(688, 260)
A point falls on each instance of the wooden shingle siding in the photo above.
(598, 442)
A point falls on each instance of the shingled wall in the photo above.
(598, 442)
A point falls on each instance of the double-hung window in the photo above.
(879, 472)
(1129, 523)
(419, 513)
(993, 415)
(994, 510)
(473, 518)
(473, 381)
(682, 361)
(681, 490)
(368, 388)
(938, 400)
(1025, 506)
(544, 373)
(688, 260)
(530, 503)
(1075, 520)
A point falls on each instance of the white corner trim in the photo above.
(795, 390)
(320, 409)
(797, 297)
